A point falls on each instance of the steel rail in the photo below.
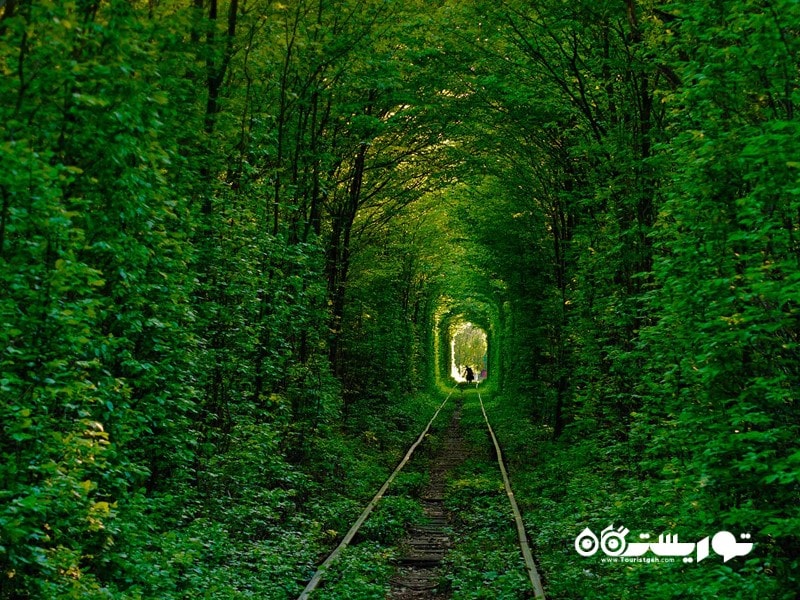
(530, 566)
(363, 517)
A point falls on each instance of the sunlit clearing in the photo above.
(468, 349)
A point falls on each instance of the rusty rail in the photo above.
(530, 565)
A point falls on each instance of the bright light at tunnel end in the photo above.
(468, 348)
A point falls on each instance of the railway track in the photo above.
(418, 570)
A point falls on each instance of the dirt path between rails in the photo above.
(419, 568)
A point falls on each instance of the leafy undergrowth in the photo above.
(586, 481)
(485, 561)
(361, 573)
(263, 524)
(364, 568)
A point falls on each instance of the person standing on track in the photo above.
(469, 375)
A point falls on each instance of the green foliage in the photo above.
(96, 366)
(729, 260)
(363, 574)
(167, 392)
(233, 238)
(391, 519)
(599, 491)
(642, 219)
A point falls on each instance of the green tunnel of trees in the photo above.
(235, 234)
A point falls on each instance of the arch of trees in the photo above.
(233, 230)
(476, 313)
